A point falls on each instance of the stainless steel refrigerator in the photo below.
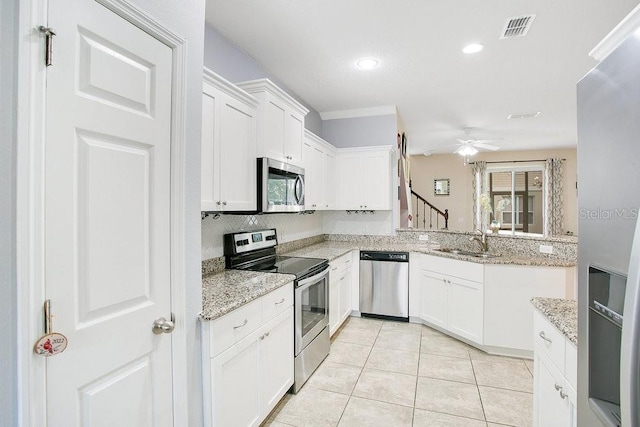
(608, 201)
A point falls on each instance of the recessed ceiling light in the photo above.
(472, 48)
(367, 63)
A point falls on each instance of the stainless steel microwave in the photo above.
(280, 186)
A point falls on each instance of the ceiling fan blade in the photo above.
(486, 146)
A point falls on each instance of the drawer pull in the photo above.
(562, 394)
(280, 302)
(263, 336)
(334, 268)
(544, 337)
(243, 324)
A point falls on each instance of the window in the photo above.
(517, 196)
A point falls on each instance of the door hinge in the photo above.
(48, 35)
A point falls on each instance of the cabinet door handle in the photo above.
(280, 302)
(243, 324)
(544, 337)
(559, 389)
(218, 203)
(224, 203)
(334, 268)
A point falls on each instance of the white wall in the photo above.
(340, 222)
(8, 283)
(290, 227)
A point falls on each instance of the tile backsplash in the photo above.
(290, 227)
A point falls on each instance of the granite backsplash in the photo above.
(564, 248)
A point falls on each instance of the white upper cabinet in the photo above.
(228, 147)
(319, 158)
(280, 122)
(364, 178)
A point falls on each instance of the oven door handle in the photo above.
(306, 283)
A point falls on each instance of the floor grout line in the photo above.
(413, 407)
(484, 413)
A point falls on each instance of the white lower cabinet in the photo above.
(487, 304)
(244, 382)
(552, 409)
(466, 309)
(452, 303)
(276, 360)
(236, 389)
(340, 291)
(554, 388)
(435, 298)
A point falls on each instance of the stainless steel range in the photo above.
(256, 251)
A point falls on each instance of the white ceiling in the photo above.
(312, 46)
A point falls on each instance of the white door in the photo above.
(345, 294)
(210, 197)
(107, 206)
(236, 387)
(435, 297)
(328, 169)
(349, 170)
(293, 134)
(376, 177)
(466, 309)
(276, 360)
(237, 156)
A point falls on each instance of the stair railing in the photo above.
(423, 203)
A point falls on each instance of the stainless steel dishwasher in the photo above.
(384, 284)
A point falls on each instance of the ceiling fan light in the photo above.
(467, 151)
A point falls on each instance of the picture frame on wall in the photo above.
(441, 187)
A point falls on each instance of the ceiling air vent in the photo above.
(517, 27)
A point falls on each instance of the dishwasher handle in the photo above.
(384, 256)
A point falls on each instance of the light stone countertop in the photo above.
(332, 250)
(224, 292)
(562, 313)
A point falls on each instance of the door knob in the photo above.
(161, 325)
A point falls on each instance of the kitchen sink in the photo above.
(467, 253)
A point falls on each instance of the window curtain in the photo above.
(554, 177)
(479, 186)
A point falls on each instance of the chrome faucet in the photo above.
(482, 240)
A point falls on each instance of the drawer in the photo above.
(549, 340)
(571, 364)
(276, 302)
(467, 270)
(340, 264)
(232, 327)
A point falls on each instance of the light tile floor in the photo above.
(383, 373)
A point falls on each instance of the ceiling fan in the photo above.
(470, 145)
